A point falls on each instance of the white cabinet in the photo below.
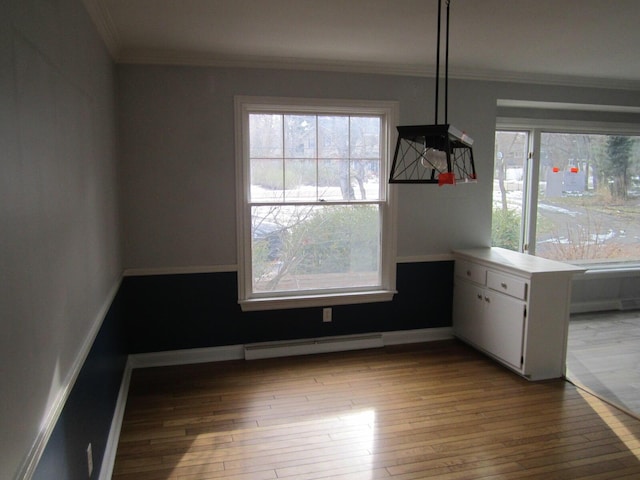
(515, 308)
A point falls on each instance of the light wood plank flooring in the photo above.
(603, 354)
(437, 410)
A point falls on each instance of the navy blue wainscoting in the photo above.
(88, 412)
(173, 312)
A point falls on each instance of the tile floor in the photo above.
(603, 354)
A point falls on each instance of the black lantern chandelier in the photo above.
(439, 154)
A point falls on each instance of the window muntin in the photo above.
(317, 217)
(581, 207)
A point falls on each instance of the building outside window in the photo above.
(317, 213)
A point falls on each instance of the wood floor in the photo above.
(603, 354)
(437, 410)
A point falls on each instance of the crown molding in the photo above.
(105, 25)
(546, 79)
(172, 57)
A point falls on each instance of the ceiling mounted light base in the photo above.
(438, 154)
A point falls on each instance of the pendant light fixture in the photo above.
(440, 153)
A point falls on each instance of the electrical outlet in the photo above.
(326, 315)
(89, 459)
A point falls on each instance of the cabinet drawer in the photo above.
(514, 286)
(471, 271)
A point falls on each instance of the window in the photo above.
(317, 223)
(577, 201)
(511, 150)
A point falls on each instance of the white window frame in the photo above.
(535, 129)
(389, 112)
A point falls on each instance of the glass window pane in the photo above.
(265, 138)
(266, 179)
(333, 137)
(365, 179)
(334, 180)
(508, 188)
(315, 247)
(365, 137)
(588, 205)
(300, 180)
(300, 136)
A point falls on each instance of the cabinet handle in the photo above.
(468, 273)
(487, 299)
(503, 285)
(479, 296)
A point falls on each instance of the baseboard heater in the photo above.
(310, 346)
(622, 304)
(630, 304)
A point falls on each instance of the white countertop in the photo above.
(517, 261)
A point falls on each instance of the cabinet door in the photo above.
(503, 327)
(467, 311)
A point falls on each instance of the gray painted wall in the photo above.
(178, 164)
(59, 240)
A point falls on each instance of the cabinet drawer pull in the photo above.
(487, 299)
(479, 296)
(503, 285)
(468, 273)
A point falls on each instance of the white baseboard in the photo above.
(237, 352)
(188, 356)
(109, 457)
(401, 337)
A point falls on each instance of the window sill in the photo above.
(325, 300)
(609, 271)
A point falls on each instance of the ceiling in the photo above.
(575, 42)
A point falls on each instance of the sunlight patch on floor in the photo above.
(618, 427)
